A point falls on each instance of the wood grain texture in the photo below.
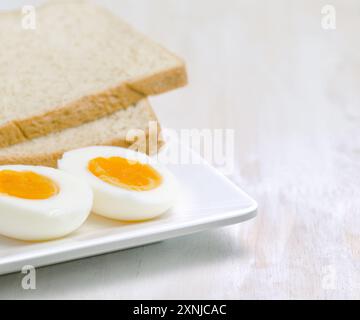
(290, 89)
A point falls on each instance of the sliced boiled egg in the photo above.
(127, 185)
(40, 203)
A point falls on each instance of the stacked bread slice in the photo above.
(80, 78)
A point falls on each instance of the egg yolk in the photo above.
(125, 173)
(27, 185)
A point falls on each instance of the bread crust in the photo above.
(10, 134)
(92, 107)
(50, 159)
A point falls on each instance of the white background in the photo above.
(291, 90)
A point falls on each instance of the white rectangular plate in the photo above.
(207, 200)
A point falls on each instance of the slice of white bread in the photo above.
(126, 128)
(80, 63)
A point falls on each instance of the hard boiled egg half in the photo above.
(40, 203)
(127, 185)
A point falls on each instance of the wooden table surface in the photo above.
(290, 89)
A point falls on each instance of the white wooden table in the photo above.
(292, 91)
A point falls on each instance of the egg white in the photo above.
(45, 219)
(113, 201)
